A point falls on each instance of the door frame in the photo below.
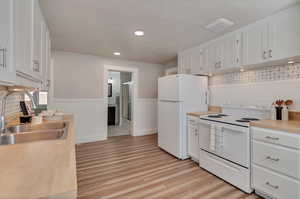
(134, 107)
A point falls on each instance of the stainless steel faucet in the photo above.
(4, 100)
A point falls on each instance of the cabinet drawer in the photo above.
(276, 137)
(275, 185)
(281, 159)
(232, 173)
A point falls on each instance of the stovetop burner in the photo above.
(250, 119)
(243, 121)
(214, 116)
(217, 116)
(222, 115)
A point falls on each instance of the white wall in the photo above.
(77, 88)
(81, 76)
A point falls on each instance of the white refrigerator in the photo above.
(178, 95)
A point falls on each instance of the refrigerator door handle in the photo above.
(206, 97)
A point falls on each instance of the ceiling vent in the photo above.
(219, 25)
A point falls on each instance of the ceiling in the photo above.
(101, 27)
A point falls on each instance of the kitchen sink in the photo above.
(17, 129)
(25, 134)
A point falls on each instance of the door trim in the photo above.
(134, 72)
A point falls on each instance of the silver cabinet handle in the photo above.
(218, 64)
(3, 50)
(36, 66)
(272, 186)
(272, 138)
(273, 159)
(264, 55)
(270, 53)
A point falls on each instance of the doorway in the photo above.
(120, 90)
(119, 103)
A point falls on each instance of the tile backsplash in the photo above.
(265, 74)
(12, 103)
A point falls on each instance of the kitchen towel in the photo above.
(219, 138)
(212, 139)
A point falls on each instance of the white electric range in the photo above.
(225, 144)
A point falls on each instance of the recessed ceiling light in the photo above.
(291, 62)
(117, 53)
(242, 70)
(139, 33)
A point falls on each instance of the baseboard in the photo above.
(145, 132)
(67, 195)
(80, 140)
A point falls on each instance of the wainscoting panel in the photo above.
(90, 117)
(146, 116)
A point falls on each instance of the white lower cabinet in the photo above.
(193, 138)
(275, 163)
(274, 185)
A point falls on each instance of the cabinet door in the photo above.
(198, 62)
(48, 61)
(44, 54)
(232, 51)
(193, 139)
(253, 48)
(7, 73)
(212, 61)
(185, 63)
(284, 31)
(37, 39)
(220, 48)
(23, 35)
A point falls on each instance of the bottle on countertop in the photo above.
(273, 112)
(285, 113)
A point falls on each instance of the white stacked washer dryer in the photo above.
(178, 95)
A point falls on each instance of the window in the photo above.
(41, 97)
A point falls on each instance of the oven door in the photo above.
(236, 144)
(231, 142)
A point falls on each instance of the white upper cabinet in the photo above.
(272, 40)
(37, 39)
(284, 34)
(184, 62)
(199, 59)
(7, 70)
(253, 44)
(23, 35)
(232, 51)
(31, 40)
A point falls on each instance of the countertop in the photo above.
(198, 114)
(292, 126)
(41, 169)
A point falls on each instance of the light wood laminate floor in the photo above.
(128, 167)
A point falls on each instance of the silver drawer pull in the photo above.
(271, 138)
(273, 186)
(273, 159)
